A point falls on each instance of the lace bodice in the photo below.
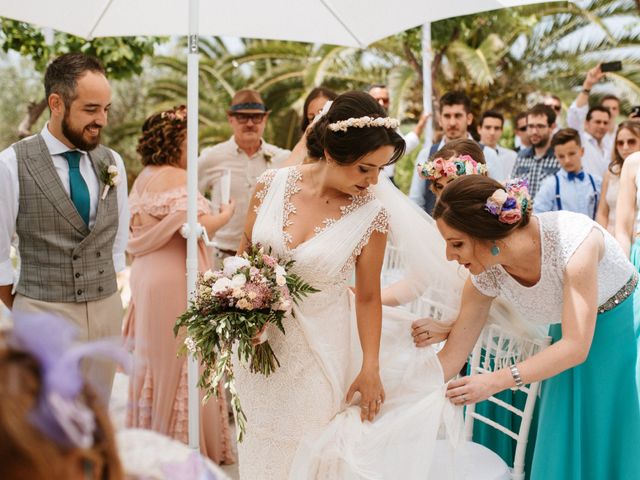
(160, 204)
(327, 259)
(561, 233)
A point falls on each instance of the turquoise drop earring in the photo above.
(495, 250)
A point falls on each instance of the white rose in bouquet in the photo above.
(232, 264)
(238, 280)
(221, 285)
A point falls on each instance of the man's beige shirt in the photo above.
(245, 171)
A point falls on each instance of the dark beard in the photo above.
(75, 137)
(541, 143)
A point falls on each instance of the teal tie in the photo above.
(77, 185)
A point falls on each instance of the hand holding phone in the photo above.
(611, 66)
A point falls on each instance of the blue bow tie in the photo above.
(572, 176)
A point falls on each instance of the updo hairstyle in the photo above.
(162, 136)
(462, 206)
(347, 147)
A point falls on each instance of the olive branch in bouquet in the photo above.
(233, 306)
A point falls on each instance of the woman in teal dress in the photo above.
(439, 173)
(557, 265)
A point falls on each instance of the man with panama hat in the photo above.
(246, 156)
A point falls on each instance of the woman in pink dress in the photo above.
(158, 201)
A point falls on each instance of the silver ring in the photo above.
(378, 401)
(364, 407)
(463, 397)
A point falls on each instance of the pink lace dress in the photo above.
(158, 384)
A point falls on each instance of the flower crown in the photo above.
(177, 116)
(452, 167)
(362, 122)
(509, 204)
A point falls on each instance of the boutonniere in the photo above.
(267, 156)
(110, 177)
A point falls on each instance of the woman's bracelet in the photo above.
(515, 373)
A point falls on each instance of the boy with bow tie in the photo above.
(571, 188)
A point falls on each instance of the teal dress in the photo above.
(497, 441)
(589, 415)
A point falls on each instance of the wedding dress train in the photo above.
(298, 423)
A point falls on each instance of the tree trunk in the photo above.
(34, 110)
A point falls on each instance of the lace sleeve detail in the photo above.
(262, 186)
(379, 224)
(487, 283)
(161, 204)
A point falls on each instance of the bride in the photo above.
(353, 397)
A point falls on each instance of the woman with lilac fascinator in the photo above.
(52, 425)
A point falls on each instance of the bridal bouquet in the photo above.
(233, 306)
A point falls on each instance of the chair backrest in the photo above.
(392, 265)
(497, 348)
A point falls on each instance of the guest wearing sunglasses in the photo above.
(246, 156)
(555, 103)
(521, 140)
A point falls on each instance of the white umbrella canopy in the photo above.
(355, 23)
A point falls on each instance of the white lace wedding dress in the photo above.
(298, 425)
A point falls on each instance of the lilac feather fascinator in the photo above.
(60, 412)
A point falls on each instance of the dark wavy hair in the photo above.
(351, 145)
(462, 206)
(317, 92)
(162, 137)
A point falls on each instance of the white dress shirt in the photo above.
(245, 172)
(576, 116)
(507, 159)
(10, 196)
(596, 158)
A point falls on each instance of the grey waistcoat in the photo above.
(61, 259)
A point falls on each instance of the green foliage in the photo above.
(231, 310)
(122, 56)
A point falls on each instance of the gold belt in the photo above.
(621, 295)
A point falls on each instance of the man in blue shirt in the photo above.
(571, 188)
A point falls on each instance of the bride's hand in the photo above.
(372, 395)
(425, 331)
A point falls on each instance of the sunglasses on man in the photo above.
(245, 117)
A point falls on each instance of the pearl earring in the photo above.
(495, 250)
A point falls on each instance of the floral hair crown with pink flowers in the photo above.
(452, 167)
(509, 204)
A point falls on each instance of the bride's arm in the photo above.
(474, 310)
(369, 318)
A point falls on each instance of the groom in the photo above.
(69, 210)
